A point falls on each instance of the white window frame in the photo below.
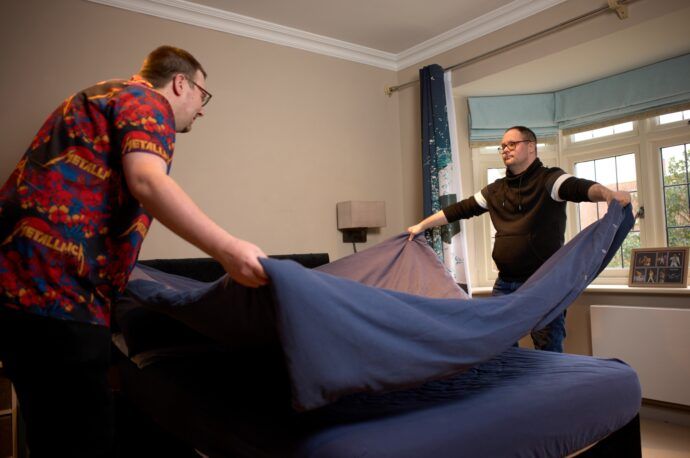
(567, 143)
(645, 141)
(612, 275)
(653, 124)
(655, 214)
(484, 159)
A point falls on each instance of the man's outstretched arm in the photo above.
(160, 195)
(600, 193)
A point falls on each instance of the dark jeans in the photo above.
(59, 371)
(550, 338)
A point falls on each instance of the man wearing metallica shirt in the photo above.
(527, 209)
(73, 215)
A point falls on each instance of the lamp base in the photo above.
(355, 235)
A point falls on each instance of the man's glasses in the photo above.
(205, 95)
(510, 145)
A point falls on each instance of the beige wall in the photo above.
(287, 134)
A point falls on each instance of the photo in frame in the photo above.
(659, 267)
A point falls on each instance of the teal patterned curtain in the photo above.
(440, 168)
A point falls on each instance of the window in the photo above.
(674, 117)
(614, 172)
(602, 132)
(487, 167)
(649, 158)
(676, 193)
(651, 162)
(493, 174)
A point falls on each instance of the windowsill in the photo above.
(625, 289)
(618, 289)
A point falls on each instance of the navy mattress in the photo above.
(521, 403)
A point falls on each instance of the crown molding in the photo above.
(224, 21)
(245, 26)
(497, 19)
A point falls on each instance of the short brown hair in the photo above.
(165, 62)
(525, 131)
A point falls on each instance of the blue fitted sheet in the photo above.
(522, 403)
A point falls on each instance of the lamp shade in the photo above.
(358, 213)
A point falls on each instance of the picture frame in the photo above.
(659, 267)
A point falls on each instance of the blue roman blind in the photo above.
(491, 116)
(645, 91)
(628, 94)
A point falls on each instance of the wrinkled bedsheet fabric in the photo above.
(341, 336)
(410, 267)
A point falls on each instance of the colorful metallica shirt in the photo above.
(70, 231)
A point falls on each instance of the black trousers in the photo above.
(59, 371)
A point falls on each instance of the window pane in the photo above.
(585, 170)
(621, 259)
(674, 161)
(587, 212)
(635, 201)
(602, 208)
(677, 207)
(630, 242)
(674, 164)
(627, 174)
(616, 172)
(625, 127)
(605, 170)
(582, 136)
(494, 174)
(602, 132)
(679, 236)
(616, 261)
(671, 117)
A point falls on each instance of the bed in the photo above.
(185, 395)
(379, 354)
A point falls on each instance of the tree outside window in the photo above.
(675, 165)
(615, 172)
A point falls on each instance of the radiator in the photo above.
(653, 341)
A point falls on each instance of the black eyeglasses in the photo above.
(511, 145)
(205, 95)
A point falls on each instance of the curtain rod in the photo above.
(619, 6)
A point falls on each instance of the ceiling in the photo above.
(391, 34)
(391, 26)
